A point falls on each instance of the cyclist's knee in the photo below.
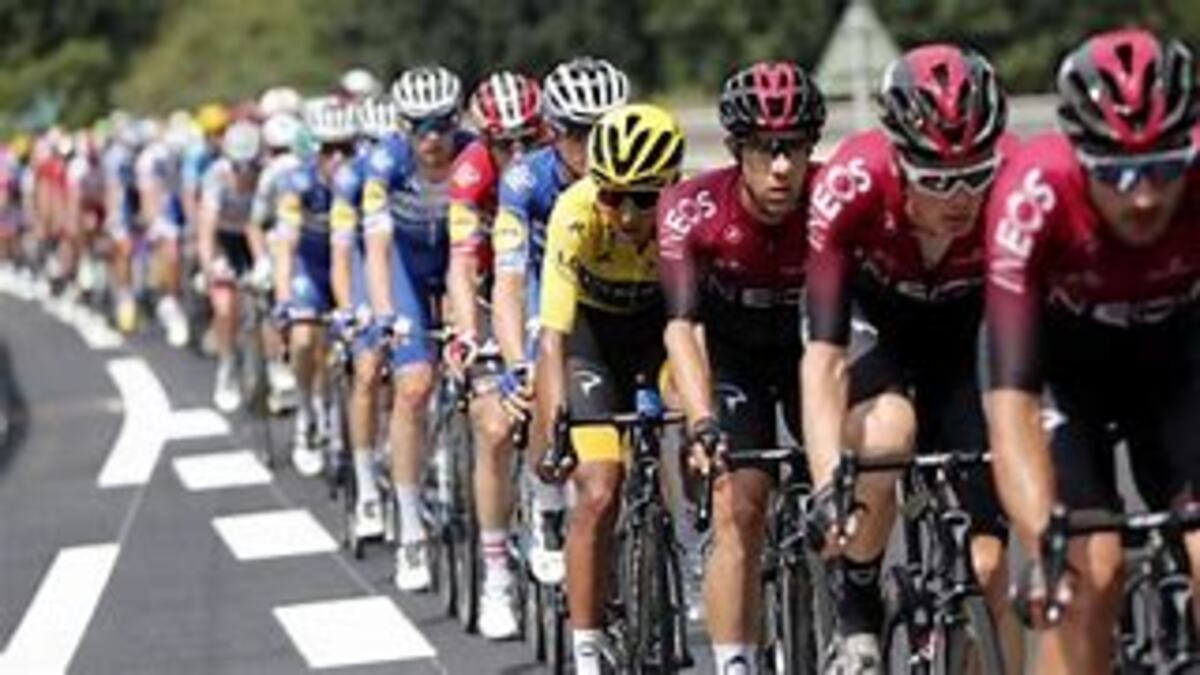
(1097, 562)
(991, 568)
(414, 386)
(740, 510)
(597, 496)
(491, 423)
(302, 338)
(885, 424)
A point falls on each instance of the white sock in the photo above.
(735, 659)
(320, 413)
(364, 476)
(408, 499)
(587, 650)
(494, 545)
(546, 497)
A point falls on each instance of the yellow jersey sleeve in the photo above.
(288, 216)
(343, 220)
(568, 227)
(466, 227)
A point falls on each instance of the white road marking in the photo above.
(53, 626)
(352, 632)
(221, 470)
(273, 534)
(148, 424)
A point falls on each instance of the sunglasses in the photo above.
(942, 182)
(642, 200)
(793, 148)
(573, 131)
(522, 142)
(1125, 172)
(440, 124)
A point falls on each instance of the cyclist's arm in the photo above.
(206, 226)
(461, 274)
(377, 221)
(688, 362)
(284, 239)
(343, 223)
(559, 295)
(260, 212)
(510, 241)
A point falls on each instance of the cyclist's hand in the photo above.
(1036, 602)
(341, 324)
(828, 526)
(261, 275)
(460, 353)
(708, 443)
(283, 314)
(560, 459)
(516, 392)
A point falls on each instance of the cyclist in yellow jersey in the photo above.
(602, 322)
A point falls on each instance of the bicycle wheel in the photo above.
(972, 639)
(649, 617)
(467, 561)
(557, 655)
(793, 613)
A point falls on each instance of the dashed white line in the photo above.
(274, 534)
(148, 424)
(351, 632)
(220, 470)
(53, 626)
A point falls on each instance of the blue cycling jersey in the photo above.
(118, 165)
(528, 190)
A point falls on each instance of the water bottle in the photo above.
(647, 400)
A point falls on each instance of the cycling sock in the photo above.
(364, 478)
(408, 501)
(587, 650)
(860, 605)
(494, 544)
(320, 412)
(734, 659)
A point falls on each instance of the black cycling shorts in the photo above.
(236, 250)
(930, 354)
(607, 355)
(1140, 386)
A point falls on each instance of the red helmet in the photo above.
(940, 102)
(772, 96)
(1128, 91)
(507, 104)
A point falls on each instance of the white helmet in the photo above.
(279, 100)
(579, 91)
(280, 131)
(330, 120)
(359, 83)
(241, 142)
(377, 118)
(427, 91)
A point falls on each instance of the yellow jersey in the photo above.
(588, 262)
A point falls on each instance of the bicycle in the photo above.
(798, 606)
(937, 619)
(1156, 633)
(254, 309)
(646, 622)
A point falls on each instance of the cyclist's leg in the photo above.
(733, 589)
(222, 296)
(881, 421)
(412, 360)
(1082, 406)
(306, 344)
(364, 397)
(597, 481)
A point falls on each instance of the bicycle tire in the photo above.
(797, 620)
(971, 639)
(649, 621)
(468, 564)
(557, 657)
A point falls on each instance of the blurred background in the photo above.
(70, 61)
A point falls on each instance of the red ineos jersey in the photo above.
(860, 235)
(1046, 246)
(709, 244)
(473, 189)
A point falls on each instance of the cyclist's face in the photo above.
(951, 214)
(572, 147)
(1141, 215)
(631, 214)
(773, 170)
(435, 150)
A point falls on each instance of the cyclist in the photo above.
(733, 243)
(204, 148)
(84, 213)
(225, 250)
(122, 211)
(357, 85)
(12, 165)
(158, 170)
(281, 132)
(602, 320)
(506, 110)
(280, 101)
(404, 208)
(896, 233)
(301, 255)
(1093, 260)
(575, 94)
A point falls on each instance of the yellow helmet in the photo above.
(635, 146)
(20, 146)
(212, 118)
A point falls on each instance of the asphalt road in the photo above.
(106, 571)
